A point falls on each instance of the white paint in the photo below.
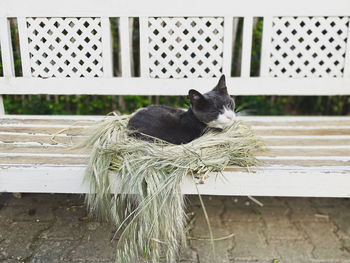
(125, 46)
(181, 47)
(309, 137)
(228, 31)
(325, 127)
(262, 119)
(143, 27)
(246, 46)
(107, 53)
(284, 181)
(147, 86)
(6, 48)
(39, 134)
(68, 179)
(6, 55)
(29, 125)
(113, 8)
(295, 53)
(58, 155)
(266, 46)
(55, 117)
(302, 147)
(306, 158)
(40, 144)
(57, 50)
(347, 58)
(277, 119)
(24, 48)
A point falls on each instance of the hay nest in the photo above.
(149, 214)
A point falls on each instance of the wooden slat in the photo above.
(246, 46)
(68, 179)
(272, 152)
(6, 54)
(306, 141)
(306, 123)
(317, 151)
(23, 40)
(304, 132)
(112, 8)
(42, 130)
(48, 139)
(35, 160)
(144, 67)
(6, 48)
(306, 163)
(265, 46)
(23, 148)
(125, 46)
(151, 86)
(292, 141)
(51, 121)
(107, 47)
(347, 58)
(260, 119)
(228, 23)
(40, 139)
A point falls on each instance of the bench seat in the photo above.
(307, 156)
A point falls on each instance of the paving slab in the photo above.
(54, 228)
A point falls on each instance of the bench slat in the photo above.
(306, 141)
(296, 144)
(263, 183)
(44, 160)
(40, 139)
(272, 152)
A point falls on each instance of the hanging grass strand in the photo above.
(149, 209)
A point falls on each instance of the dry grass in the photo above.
(149, 214)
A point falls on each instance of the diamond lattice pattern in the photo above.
(308, 46)
(65, 47)
(181, 47)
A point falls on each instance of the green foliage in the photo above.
(256, 51)
(83, 104)
(97, 105)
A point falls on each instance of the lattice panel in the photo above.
(308, 46)
(65, 47)
(181, 47)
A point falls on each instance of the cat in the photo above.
(211, 110)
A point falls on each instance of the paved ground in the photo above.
(54, 228)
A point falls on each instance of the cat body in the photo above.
(167, 123)
(214, 109)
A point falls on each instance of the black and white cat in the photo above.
(214, 109)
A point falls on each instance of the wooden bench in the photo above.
(182, 46)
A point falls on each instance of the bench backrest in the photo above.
(65, 46)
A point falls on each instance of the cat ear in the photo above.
(196, 97)
(221, 87)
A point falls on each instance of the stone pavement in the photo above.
(54, 228)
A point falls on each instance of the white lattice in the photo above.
(181, 47)
(308, 46)
(65, 47)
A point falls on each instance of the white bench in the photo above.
(304, 52)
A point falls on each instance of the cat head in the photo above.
(214, 108)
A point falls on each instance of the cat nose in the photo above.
(229, 117)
